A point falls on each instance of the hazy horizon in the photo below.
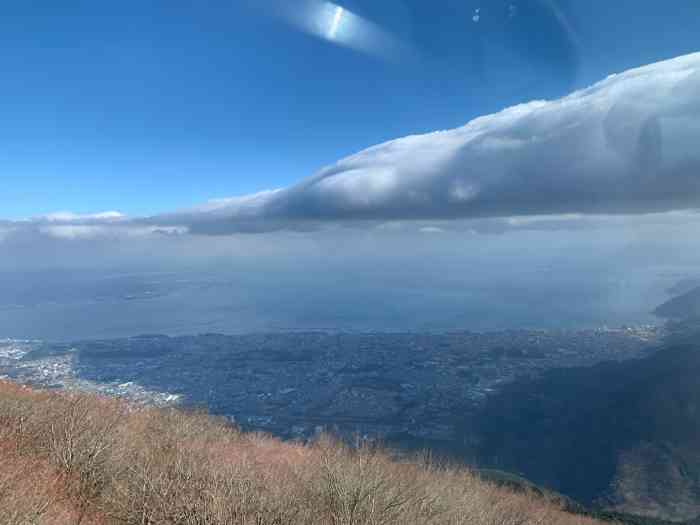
(356, 166)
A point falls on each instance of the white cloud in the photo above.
(73, 231)
(82, 227)
(535, 219)
(431, 229)
(627, 145)
(73, 218)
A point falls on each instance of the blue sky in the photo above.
(146, 107)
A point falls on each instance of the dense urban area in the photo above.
(376, 385)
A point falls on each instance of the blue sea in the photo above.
(99, 304)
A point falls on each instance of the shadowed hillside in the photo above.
(624, 435)
(100, 461)
(683, 306)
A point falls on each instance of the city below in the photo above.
(418, 388)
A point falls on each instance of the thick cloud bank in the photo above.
(629, 144)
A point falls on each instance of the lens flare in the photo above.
(337, 17)
(334, 23)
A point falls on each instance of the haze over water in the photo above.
(101, 305)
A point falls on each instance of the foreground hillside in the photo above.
(70, 458)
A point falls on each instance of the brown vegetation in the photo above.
(69, 458)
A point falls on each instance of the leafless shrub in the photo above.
(104, 461)
(32, 492)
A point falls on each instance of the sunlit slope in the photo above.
(74, 458)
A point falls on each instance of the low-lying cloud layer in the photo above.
(627, 145)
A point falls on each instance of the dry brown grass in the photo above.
(76, 458)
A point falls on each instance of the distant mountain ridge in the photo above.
(682, 306)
